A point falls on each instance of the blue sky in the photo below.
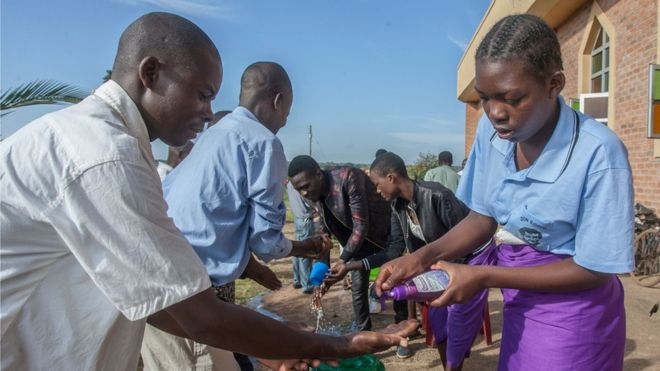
(366, 74)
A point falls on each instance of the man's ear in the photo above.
(556, 84)
(149, 70)
(277, 101)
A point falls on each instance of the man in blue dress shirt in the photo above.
(227, 199)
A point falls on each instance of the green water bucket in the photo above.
(373, 274)
(363, 363)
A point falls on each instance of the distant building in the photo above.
(609, 48)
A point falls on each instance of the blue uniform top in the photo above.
(575, 199)
(227, 196)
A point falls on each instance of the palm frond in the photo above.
(41, 92)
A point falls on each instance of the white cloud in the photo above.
(461, 44)
(202, 8)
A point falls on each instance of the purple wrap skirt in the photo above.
(581, 330)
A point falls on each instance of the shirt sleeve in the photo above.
(605, 225)
(113, 218)
(427, 176)
(359, 214)
(266, 177)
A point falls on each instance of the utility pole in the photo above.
(310, 140)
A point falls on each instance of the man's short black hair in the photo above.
(388, 162)
(302, 163)
(445, 157)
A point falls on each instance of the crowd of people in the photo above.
(100, 258)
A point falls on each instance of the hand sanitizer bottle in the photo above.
(426, 286)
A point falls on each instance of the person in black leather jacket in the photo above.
(422, 212)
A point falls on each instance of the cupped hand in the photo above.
(403, 328)
(464, 283)
(264, 276)
(368, 342)
(318, 246)
(397, 271)
(336, 273)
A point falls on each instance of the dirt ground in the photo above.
(642, 339)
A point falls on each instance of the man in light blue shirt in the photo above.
(443, 174)
(227, 196)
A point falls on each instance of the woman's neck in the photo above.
(407, 189)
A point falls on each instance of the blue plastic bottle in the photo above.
(319, 270)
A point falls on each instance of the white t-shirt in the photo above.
(87, 249)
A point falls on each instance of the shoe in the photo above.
(297, 286)
(307, 291)
(403, 353)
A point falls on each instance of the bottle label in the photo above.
(432, 281)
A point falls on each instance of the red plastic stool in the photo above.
(430, 339)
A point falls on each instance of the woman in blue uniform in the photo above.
(559, 185)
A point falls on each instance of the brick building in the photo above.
(608, 48)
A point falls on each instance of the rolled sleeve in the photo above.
(266, 176)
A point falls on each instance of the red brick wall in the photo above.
(473, 113)
(635, 29)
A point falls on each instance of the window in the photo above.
(595, 105)
(600, 63)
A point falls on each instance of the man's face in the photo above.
(179, 104)
(309, 184)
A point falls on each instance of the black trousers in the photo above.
(360, 292)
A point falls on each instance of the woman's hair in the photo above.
(387, 163)
(523, 36)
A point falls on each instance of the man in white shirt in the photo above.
(88, 253)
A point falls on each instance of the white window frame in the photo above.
(603, 120)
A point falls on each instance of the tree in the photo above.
(424, 162)
(40, 92)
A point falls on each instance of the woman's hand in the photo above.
(464, 283)
(397, 271)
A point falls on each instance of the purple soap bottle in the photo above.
(427, 286)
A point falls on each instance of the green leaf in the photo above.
(41, 92)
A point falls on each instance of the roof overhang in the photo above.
(554, 12)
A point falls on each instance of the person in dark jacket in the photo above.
(421, 213)
(353, 212)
